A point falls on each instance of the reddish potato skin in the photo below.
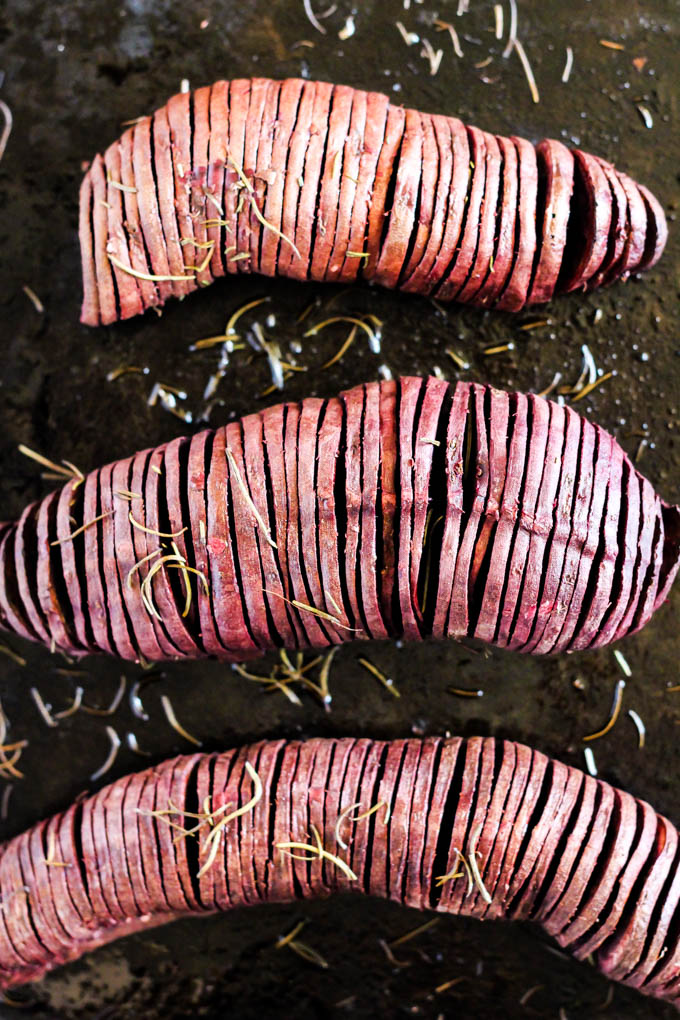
(500, 800)
(633, 253)
(437, 223)
(150, 294)
(289, 104)
(359, 189)
(403, 509)
(331, 181)
(376, 122)
(90, 309)
(402, 214)
(477, 484)
(351, 165)
(202, 209)
(261, 173)
(291, 263)
(557, 165)
(451, 535)
(487, 226)
(129, 295)
(435, 185)
(259, 89)
(239, 100)
(217, 158)
(597, 198)
(618, 229)
(514, 297)
(501, 262)
(354, 409)
(458, 272)
(457, 197)
(657, 229)
(149, 214)
(370, 455)
(487, 621)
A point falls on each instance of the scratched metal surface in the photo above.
(72, 72)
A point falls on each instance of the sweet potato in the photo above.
(592, 865)
(556, 181)
(326, 182)
(402, 509)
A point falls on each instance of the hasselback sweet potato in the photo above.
(482, 827)
(406, 508)
(325, 182)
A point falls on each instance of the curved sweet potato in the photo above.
(325, 182)
(589, 863)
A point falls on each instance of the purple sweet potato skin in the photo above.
(246, 549)
(200, 189)
(558, 168)
(402, 509)
(259, 88)
(483, 263)
(409, 398)
(262, 174)
(457, 201)
(603, 458)
(230, 614)
(53, 612)
(576, 541)
(657, 229)
(437, 222)
(424, 481)
(129, 294)
(351, 166)
(428, 186)
(455, 461)
(459, 611)
(507, 520)
(592, 188)
(106, 298)
(137, 252)
(298, 264)
(609, 562)
(502, 259)
(353, 411)
(215, 174)
(289, 105)
(388, 469)
(239, 100)
(149, 215)
(331, 180)
(370, 454)
(11, 614)
(634, 248)
(124, 869)
(618, 231)
(402, 214)
(126, 558)
(518, 556)
(253, 449)
(625, 566)
(24, 570)
(542, 528)
(514, 296)
(553, 566)
(499, 429)
(89, 309)
(311, 625)
(465, 253)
